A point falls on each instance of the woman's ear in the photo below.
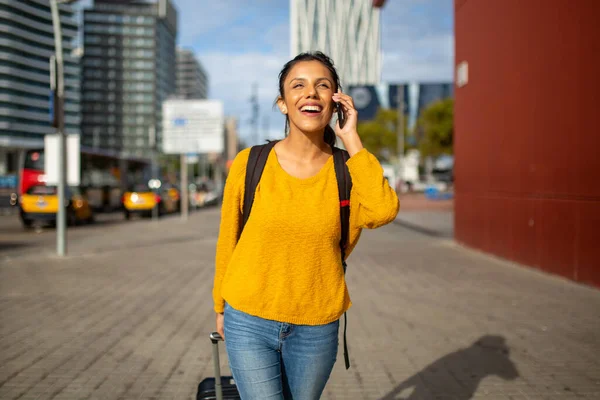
(281, 105)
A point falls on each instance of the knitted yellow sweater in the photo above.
(287, 264)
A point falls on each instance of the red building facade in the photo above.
(527, 133)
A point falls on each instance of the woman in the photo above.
(280, 290)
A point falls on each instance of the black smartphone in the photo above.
(341, 116)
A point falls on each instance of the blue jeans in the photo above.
(275, 360)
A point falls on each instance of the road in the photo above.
(127, 313)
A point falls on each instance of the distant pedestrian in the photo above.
(279, 288)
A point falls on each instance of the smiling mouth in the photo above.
(311, 110)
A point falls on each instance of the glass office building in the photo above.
(26, 45)
(192, 81)
(128, 71)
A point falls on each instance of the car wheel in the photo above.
(127, 215)
(71, 218)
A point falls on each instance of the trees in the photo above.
(435, 128)
(380, 135)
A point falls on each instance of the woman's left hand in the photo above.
(348, 133)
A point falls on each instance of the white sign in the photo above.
(51, 160)
(193, 126)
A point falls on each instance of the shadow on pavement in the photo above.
(459, 374)
(6, 246)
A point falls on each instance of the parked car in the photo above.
(141, 199)
(40, 203)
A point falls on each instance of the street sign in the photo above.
(193, 126)
(51, 159)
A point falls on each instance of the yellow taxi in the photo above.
(141, 199)
(40, 203)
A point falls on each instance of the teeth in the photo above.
(310, 108)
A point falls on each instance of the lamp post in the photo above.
(61, 236)
(400, 137)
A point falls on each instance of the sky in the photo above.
(242, 42)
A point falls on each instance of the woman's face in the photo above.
(307, 100)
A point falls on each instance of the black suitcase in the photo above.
(219, 387)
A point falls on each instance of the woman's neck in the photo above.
(306, 146)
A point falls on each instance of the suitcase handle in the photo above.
(215, 338)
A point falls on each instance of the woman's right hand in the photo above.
(220, 323)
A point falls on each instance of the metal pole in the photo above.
(400, 137)
(152, 143)
(61, 226)
(184, 188)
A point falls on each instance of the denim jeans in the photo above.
(275, 360)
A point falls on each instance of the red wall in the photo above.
(527, 133)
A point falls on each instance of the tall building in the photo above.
(26, 44)
(128, 71)
(192, 81)
(346, 30)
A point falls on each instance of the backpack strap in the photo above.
(254, 169)
(344, 183)
(344, 187)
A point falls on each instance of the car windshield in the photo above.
(34, 159)
(140, 187)
(42, 190)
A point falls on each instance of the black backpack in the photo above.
(254, 169)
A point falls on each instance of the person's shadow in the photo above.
(457, 375)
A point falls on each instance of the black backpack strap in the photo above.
(344, 183)
(254, 169)
(344, 187)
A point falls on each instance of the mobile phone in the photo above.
(340, 114)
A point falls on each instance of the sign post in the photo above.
(155, 170)
(184, 187)
(400, 138)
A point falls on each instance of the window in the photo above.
(93, 62)
(93, 51)
(92, 96)
(92, 39)
(34, 160)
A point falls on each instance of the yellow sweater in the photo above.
(287, 264)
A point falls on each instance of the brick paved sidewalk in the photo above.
(126, 316)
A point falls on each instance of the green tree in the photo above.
(435, 128)
(380, 135)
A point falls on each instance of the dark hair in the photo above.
(329, 135)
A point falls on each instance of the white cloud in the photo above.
(425, 59)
